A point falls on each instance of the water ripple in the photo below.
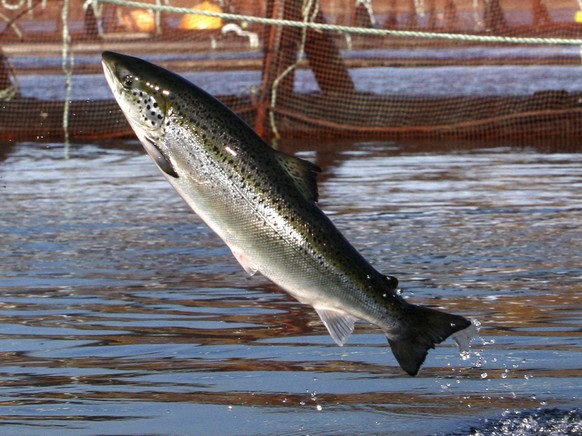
(121, 313)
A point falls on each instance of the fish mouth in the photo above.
(109, 75)
(109, 63)
(109, 56)
(111, 60)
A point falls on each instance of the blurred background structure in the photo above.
(305, 68)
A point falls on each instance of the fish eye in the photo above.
(127, 81)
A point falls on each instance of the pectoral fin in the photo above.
(153, 151)
(339, 324)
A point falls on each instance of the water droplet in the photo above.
(319, 408)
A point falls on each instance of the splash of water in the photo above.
(555, 422)
(464, 338)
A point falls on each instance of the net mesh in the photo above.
(305, 68)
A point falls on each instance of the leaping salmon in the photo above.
(263, 204)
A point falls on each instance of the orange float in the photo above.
(202, 22)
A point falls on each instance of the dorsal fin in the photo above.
(303, 173)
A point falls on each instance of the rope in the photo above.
(349, 29)
(7, 93)
(13, 6)
(11, 23)
(67, 65)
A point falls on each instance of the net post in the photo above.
(281, 48)
(280, 53)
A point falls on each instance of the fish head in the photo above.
(143, 97)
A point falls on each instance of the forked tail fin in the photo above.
(424, 328)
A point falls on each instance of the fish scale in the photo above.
(263, 204)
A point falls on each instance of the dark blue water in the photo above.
(121, 313)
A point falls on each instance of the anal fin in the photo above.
(245, 262)
(339, 324)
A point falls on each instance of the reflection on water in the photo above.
(122, 313)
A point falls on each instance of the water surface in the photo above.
(446, 81)
(121, 313)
